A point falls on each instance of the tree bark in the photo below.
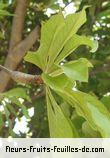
(23, 77)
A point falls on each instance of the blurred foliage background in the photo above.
(30, 120)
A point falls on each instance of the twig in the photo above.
(23, 77)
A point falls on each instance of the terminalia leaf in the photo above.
(86, 105)
(55, 34)
(77, 70)
(60, 126)
(74, 42)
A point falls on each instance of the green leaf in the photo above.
(88, 131)
(14, 95)
(3, 5)
(86, 105)
(35, 58)
(56, 71)
(48, 34)
(72, 23)
(59, 125)
(1, 121)
(18, 93)
(54, 35)
(25, 111)
(106, 101)
(3, 10)
(74, 42)
(7, 113)
(58, 81)
(11, 109)
(77, 70)
(23, 107)
(77, 120)
(66, 109)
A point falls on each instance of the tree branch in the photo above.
(14, 58)
(21, 49)
(23, 77)
(18, 48)
(18, 23)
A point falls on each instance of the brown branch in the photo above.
(23, 77)
(18, 48)
(21, 49)
(18, 23)
(14, 58)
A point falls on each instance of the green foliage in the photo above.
(77, 70)
(66, 74)
(65, 58)
(87, 106)
(11, 104)
(60, 126)
(16, 92)
(3, 11)
(106, 101)
(74, 42)
(54, 35)
(39, 122)
(88, 131)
